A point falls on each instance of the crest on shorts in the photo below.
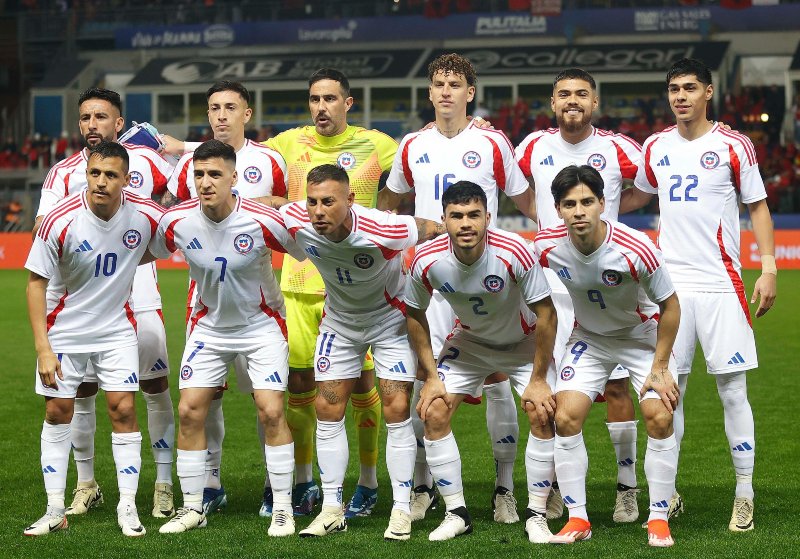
(567, 373)
(323, 364)
(612, 278)
(186, 372)
(471, 159)
(597, 161)
(441, 375)
(132, 239)
(709, 160)
(137, 180)
(493, 284)
(363, 260)
(243, 243)
(252, 174)
(346, 160)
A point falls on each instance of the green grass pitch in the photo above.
(705, 476)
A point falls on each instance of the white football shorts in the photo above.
(116, 370)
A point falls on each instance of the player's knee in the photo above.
(659, 422)
(732, 390)
(438, 416)
(122, 411)
(58, 411)
(567, 424)
(190, 414)
(271, 415)
(330, 411)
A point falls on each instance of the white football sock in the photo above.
(161, 428)
(501, 420)
(660, 467)
(191, 467)
(623, 437)
(280, 467)
(215, 434)
(422, 474)
(55, 444)
(127, 451)
(540, 469)
(84, 425)
(444, 461)
(401, 448)
(572, 463)
(740, 428)
(332, 456)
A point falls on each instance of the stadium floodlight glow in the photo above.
(764, 117)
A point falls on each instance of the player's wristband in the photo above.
(768, 265)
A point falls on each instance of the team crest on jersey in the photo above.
(137, 180)
(612, 278)
(493, 284)
(363, 260)
(597, 161)
(323, 364)
(252, 174)
(471, 159)
(346, 160)
(186, 372)
(132, 239)
(709, 160)
(243, 243)
(567, 373)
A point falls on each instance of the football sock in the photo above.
(161, 428)
(678, 424)
(191, 467)
(302, 419)
(445, 464)
(332, 455)
(127, 451)
(572, 462)
(660, 467)
(540, 470)
(739, 428)
(84, 425)
(55, 444)
(401, 448)
(623, 437)
(367, 417)
(501, 420)
(422, 473)
(215, 434)
(280, 467)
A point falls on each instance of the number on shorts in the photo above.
(476, 308)
(596, 297)
(200, 345)
(577, 350)
(451, 354)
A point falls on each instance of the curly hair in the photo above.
(453, 64)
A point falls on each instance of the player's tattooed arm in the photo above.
(168, 200)
(48, 364)
(427, 229)
(388, 200)
(660, 379)
(272, 201)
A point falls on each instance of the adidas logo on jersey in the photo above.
(312, 250)
(129, 470)
(399, 368)
(159, 366)
(274, 377)
(547, 161)
(195, 244)
(737, 359)
(84, 247)
(424, 159)
(743, 447)
(447, 288)
(564, 273)
(507, 440)
(160, 443)
(664, 162)
(133, 379)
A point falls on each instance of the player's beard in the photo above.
(572, 127)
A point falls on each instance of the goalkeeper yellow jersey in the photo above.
(364, 154)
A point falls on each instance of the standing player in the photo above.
(542, 155)
(358, 252)
(261, 173)
(488, 277)
(626, 312)
(82, 264)
(700, 172)
(427, 163)
(239, 311)
(100, 119)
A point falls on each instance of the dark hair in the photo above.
(571, 176)
(101, 93)
(327, 172)
(453, 64)
(227, 85)
(214, 148)
(106, 149)
(575, 74)
(689, 67)
(463, 192)
(331, 74)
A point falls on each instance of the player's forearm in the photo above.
(388, 200)
(427, 229)
(36, 225)
(670, 318)
(37, 312)
(272, 201)
(632, 199)
(526, 203)
(546, 324)
(419, 336)
(764, 234)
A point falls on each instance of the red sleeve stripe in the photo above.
(524, 251)
(525, 160)
(67, 164)
(188, 205)
(626, 166)
(648, 169)
(424, 277)
(407, 173)
(509, 269)
(159, 180)
(543, 262)
(385, 234)
(278, 179)
(298, 214)
(429, 250)
(498, 165)
(138, 200)
(182, 192)
(558, 232)
(631, 267)
(375, 224)
(736, 169)
(61, 238)
(269, 238)
(261, 209)
(745, 143)
(638, 248)
(169, 235)
(55, 215)
(501, 134)
(518, 255)
(153, 223)
(634, 144)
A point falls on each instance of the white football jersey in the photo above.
(363, 272)
(490, 297)
(615, 288)
(149, 175)
(225, 262)
(261, 171)
(699, 184)
(544, 153)
(91, 264)
(428, 163)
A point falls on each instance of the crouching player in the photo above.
(238, 312)
(82, 264)
(500, 296)
(619, 287)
